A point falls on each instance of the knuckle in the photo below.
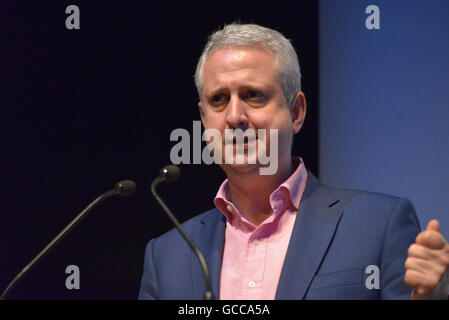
(414, 249)
(423, 237)
(411, 260)
(407, 263)
(408, 277)
(418, 235)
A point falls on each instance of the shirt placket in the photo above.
(252, 285)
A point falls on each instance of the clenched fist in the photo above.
(427, 265)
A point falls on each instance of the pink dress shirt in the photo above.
(253, 255)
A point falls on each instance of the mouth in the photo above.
(238, 140)
(245, 141)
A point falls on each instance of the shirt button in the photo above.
(251, 284)
(256, 242)
(229, 208)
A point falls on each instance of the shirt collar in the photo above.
(289, 191)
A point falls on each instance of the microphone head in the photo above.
(170, 173)
(125, 188)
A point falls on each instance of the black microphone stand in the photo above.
(119, 189)
(208, 294)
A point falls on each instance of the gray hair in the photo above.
(235, 35)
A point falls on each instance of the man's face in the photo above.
(242, 90)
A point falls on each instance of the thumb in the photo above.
(434, 225)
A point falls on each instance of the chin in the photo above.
(243, 168)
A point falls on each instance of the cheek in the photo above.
(213, 121)
(281, 122)
(259, 120)
(284, 131)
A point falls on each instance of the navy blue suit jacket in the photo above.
(337, 234)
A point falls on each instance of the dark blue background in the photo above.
(384, 101)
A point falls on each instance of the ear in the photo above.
(201, 108)
(299, 109)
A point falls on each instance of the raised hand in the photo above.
(427, 265)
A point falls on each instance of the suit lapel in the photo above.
(210, 240)
(312, 234)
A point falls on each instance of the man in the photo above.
(286, 235)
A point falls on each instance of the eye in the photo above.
(219, 98)
(254, 95)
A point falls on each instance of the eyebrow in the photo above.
(220, 89)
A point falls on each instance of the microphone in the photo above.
(123, 189)
(170, 174)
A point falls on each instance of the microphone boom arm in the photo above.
(208, 294)
(123, 188)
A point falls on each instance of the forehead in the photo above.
(239, 65)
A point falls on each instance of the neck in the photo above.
(250, 192)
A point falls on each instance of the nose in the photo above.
(236, 117)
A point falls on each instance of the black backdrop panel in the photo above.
(83, 109)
